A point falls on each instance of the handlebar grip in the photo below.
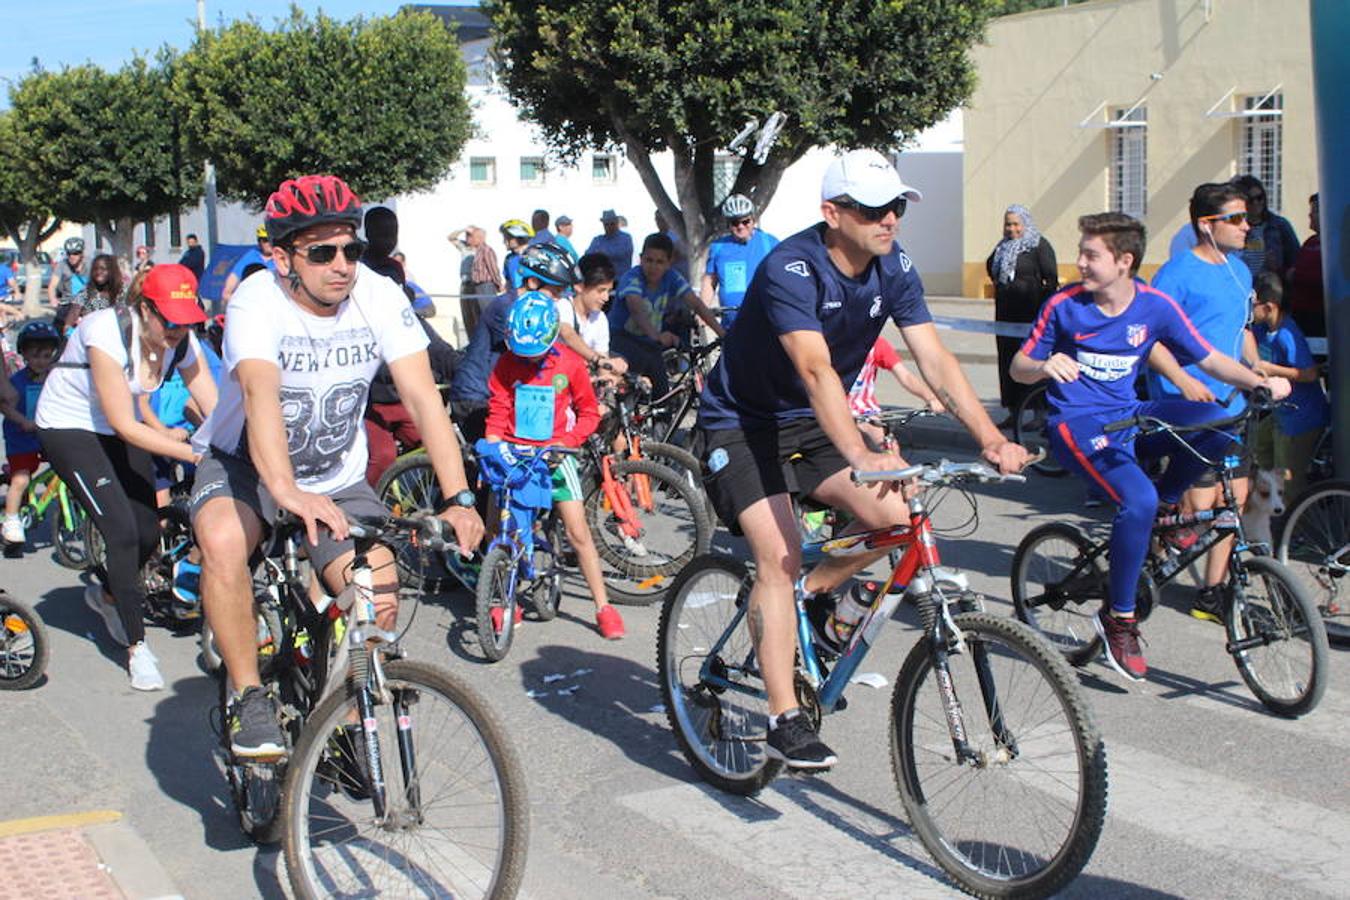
(1122, 424)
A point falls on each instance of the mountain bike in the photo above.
(23, 645)
(994, 749)
(1275, 634)
(1315, 544)
(400, 779)
(48, 497)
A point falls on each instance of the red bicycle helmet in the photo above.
(310, 200)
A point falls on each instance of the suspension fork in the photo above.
(407, 757)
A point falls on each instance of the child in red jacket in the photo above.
(540, 395)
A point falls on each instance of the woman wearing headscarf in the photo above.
(1024, 273)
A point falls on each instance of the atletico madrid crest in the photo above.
(1136, 334)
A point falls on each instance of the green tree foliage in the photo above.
(686, 75)
(25, 216)
(105, 146)
(1008, 7)
(379, 102)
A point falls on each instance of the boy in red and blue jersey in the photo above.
(1090, 339)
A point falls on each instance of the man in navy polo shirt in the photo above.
(814, 309)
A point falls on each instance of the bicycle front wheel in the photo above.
(68, 537)
(1277, 639)
(710, 681)
(23, 645)
(1023, 816)
(670, 530)
(1057, 591)
(497, 603)
(1029, 429)
(1315, 545)
(408, 488)
(456, 822)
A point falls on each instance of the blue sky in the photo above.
(109, 32)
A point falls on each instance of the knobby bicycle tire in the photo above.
(24, 648)
(493, 773)
(1315, 544)
(1038, 569)
(684, 464)
(676, 491)
(406, 488)
(68, 543)
(983, 858)
(1294, 640)
(720, 732)
(494, 590)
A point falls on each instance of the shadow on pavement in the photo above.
(64, 608)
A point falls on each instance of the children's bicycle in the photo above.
(522, 561)
(23, 645)
(994, 749)
(400, 780)
(47, 497)
(1275, 633)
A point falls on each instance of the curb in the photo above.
(122, 855)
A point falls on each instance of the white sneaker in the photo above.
(12, 530)
(144, 668)
(93, 598)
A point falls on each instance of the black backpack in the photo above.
(124, 325)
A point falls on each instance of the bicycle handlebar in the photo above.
(1261, 400)
(943, 473)
(895, 415)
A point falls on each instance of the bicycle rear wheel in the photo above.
(23, 645)
(68, 538)
(457, 817)
(1277, 639)
(671, 533)
(720, 720)
(407, 488)
(1029, 429)
(1315, 545)
(1024, 818)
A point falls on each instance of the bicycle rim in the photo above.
(1026, 818)
(720, 730)
(466, 837)
(1283, 657)
(408, 488)
(496, 589)
(68, 539)
(1029, 430)
(1315, 545)
(670, 534)
(1042, 567)
(23, 645)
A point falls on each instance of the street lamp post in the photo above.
(212, 236)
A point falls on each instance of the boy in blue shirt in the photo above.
(645, 301)
(1287, 440)
(1090, 339)
(37, 344)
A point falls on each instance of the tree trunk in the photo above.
(121, 234)
(27, 238)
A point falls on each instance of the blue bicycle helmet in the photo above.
(532, 325)
(35, 332)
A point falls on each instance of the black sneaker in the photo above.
(1209, 603)
(796, 743)
(254, 730)
(347, 762)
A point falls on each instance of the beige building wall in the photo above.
(1042, 73)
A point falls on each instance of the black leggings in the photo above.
(116, 484)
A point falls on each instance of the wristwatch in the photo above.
(464, 498)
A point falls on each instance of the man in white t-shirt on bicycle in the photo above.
(300, 350)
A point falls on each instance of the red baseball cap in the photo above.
(173, 290)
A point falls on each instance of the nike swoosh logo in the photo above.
(1081, 336)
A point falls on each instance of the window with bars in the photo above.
(483, 170)
(1129, 161)
(532, 170)
(1263, 144)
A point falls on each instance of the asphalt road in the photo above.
(1210, 796)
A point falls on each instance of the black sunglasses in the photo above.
(744, 220)
(323, 254)
(875, 213)
(168, 326)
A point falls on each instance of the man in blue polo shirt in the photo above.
(615, 243)
(734, 257)
(813, 311)
(1090, 339)
(259, 255)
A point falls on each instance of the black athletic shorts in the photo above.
(741, 468)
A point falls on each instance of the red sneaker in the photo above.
(610, 623)
(499, 615)
(1121, 636)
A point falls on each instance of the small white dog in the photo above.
(1265, 500)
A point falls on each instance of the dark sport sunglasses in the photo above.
(323, 254)
(168, 326)
(875, 213)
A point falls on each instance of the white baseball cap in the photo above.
(867, 177)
